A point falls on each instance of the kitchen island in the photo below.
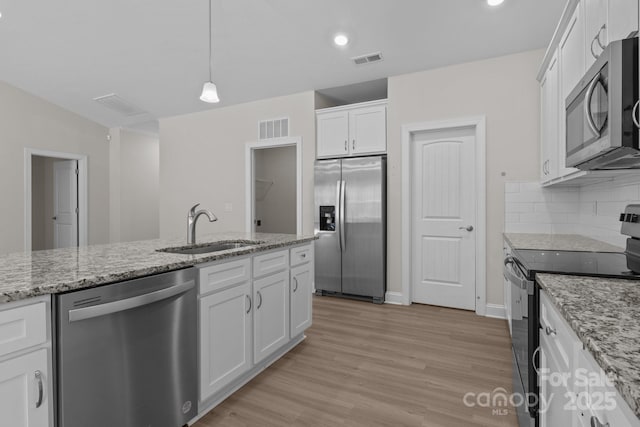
(253, 306)
(26, 275)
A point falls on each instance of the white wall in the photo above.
(202, 157)
(276, 203)
(29, 121)
(139, 164)
(503, 89)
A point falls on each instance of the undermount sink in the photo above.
(206, 248)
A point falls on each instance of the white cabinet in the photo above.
(300, 294)
(557, 348)
(554, 391)
(571, 54)
(246, 307)
(25, 363)
(225, 337)
(605, 21)
(595, 29)
(271, 314)
(24, 401)
(574, 390)
(332, 134)
(352, 130)
(598, 402)
(549, 122)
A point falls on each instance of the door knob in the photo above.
(468, 228)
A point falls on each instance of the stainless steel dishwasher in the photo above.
(127, 353)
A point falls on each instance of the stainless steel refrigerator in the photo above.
(350, 222)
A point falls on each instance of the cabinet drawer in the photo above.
(562, 341)
(271, 262)
(22, 327)
(300, 255)
(220, 276)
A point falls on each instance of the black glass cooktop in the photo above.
(604, 264)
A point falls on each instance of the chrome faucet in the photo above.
(192, 218)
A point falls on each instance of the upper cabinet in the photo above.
(352, 130)
(607, 20)
(549, 121)
(585, 29)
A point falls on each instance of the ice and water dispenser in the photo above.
(327, 218)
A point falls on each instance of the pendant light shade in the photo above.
(209, 90)
(209, 93)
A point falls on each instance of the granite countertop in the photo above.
(24, 275)
(558, 242)
(605, 314)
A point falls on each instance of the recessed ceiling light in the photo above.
(494, 2)
(341, 40)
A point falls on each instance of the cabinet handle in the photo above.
(38, 376)
(303, 255)
(591, 48)
(260, 303)
(604, 27)
(353, 144)
(345, 145)
(634, 114)
(549, 330)
(295, 280)
(249, 299)
(595, 422)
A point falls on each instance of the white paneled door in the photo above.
(65, 200)
(444, 218)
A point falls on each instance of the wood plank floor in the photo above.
(370, 365)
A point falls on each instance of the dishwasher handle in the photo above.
(129, 303)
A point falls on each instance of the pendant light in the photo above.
(209, 90)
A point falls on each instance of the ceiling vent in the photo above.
(275, 128)
(119, 105)
(368, 58)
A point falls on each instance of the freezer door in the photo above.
(364, 249)
(328, 268)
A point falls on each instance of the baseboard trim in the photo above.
(495, 310)
(393, 298)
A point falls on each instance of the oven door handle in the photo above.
(519, 281)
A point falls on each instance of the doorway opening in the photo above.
(274, 186)
(444, 214)
(55, 200)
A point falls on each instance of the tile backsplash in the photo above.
(591, 210)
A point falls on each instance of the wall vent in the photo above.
(274, 128)
(119, 105)
(368, 58)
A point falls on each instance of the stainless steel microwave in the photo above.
(600, 128)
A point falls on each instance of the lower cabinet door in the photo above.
(271, 314)
(301, 283)
(225, 338)
(556, 402)
(24, 401)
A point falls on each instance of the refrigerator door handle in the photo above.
(338, 212)
(343, 243)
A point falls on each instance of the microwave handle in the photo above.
(587, 105)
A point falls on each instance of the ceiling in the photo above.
(154, 53)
